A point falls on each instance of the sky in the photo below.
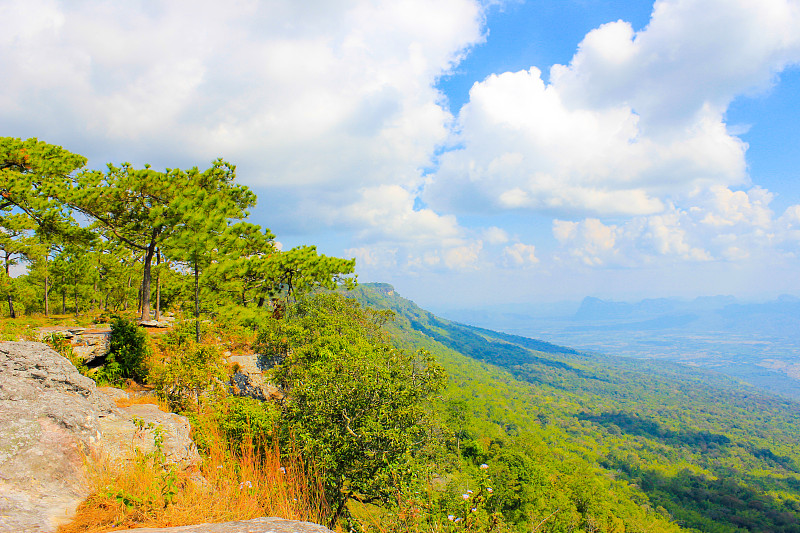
(469, 152)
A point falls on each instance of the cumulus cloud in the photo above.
(590, 240)
(330, 100)
(722, 224)
(691, 60)
(334, 93)
(495, 235)
(638, 242)
(519, 254)
(398, 233)
(729, 208)
(633, 124)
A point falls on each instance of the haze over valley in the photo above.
(757, 343)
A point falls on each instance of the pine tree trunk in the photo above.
(125, 306)
(11, 312)
(46, 289)
(146, 275)
(196, 301)
(158, 287)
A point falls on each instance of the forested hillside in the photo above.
(696, 446)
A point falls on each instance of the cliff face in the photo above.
(51, 419)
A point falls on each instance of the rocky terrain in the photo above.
(52, 419)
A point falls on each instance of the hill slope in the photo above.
(712, 454)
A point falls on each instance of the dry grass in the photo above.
(229, 486)
(138, 400)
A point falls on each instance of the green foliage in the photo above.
(186, 380)
(595, 442)
(32, 175)
(60, 344)
(128, 354)
(181, 335)
(354, 403)
(245, 420)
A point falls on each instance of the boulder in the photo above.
(49, 420)
(258, 525)
(120, 434)
(88, 344)
(249, 380)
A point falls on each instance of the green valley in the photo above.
(695, 446)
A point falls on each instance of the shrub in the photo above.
(60, 344)
(185, 380)
(128, 354)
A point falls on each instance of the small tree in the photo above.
(16, 244)
(206, 212)
(353, 402)
(127, 355)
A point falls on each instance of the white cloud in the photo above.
(635, 122)
(387, 213)
(519, 254)
(694, 55)
(590, 241)
(729, 208)
(395, 232)
(722, 225)
(495, 235)
(328, 94)
(373, 258)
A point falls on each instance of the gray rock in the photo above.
(258, 525)
(154, 324)
(51, 418)
(120, 434)
(87, 344)
(249, 379)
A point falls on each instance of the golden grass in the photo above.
(139, 400)
(228, 486)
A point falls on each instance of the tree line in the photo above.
(106, 239)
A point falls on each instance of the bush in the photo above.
(60, 344)
(185, 380)
(128, 354)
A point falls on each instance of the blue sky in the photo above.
(469, 152)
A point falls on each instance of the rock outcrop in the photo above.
(248, 379)
(88, 344)
(51, 418)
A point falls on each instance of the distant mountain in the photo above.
(758, 343)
